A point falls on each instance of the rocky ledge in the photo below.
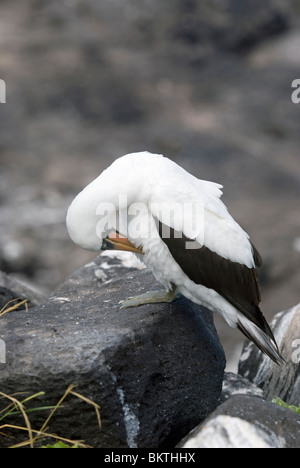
(156, 371)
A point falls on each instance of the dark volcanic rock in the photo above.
(156, 371)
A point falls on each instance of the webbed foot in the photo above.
(151, 297)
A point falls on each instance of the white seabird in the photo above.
(147, 204)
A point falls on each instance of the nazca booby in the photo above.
(147, 204)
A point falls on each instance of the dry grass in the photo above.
(34, 435)
(16, 306)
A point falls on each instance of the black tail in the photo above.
(262, 338)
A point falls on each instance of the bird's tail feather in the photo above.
(264, 340)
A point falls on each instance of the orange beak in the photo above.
(115, 241)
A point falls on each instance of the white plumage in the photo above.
(141, 190)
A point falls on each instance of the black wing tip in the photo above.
(265, 341)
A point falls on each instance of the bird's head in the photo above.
(95, 228)
(100, 212)
(82, 221)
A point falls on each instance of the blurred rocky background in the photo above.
(205, 82)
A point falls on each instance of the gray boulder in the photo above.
(156, 371)
(245, 417)
(235, 384)
(247, 422)
(277, 381)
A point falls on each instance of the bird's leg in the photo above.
(151, 297)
